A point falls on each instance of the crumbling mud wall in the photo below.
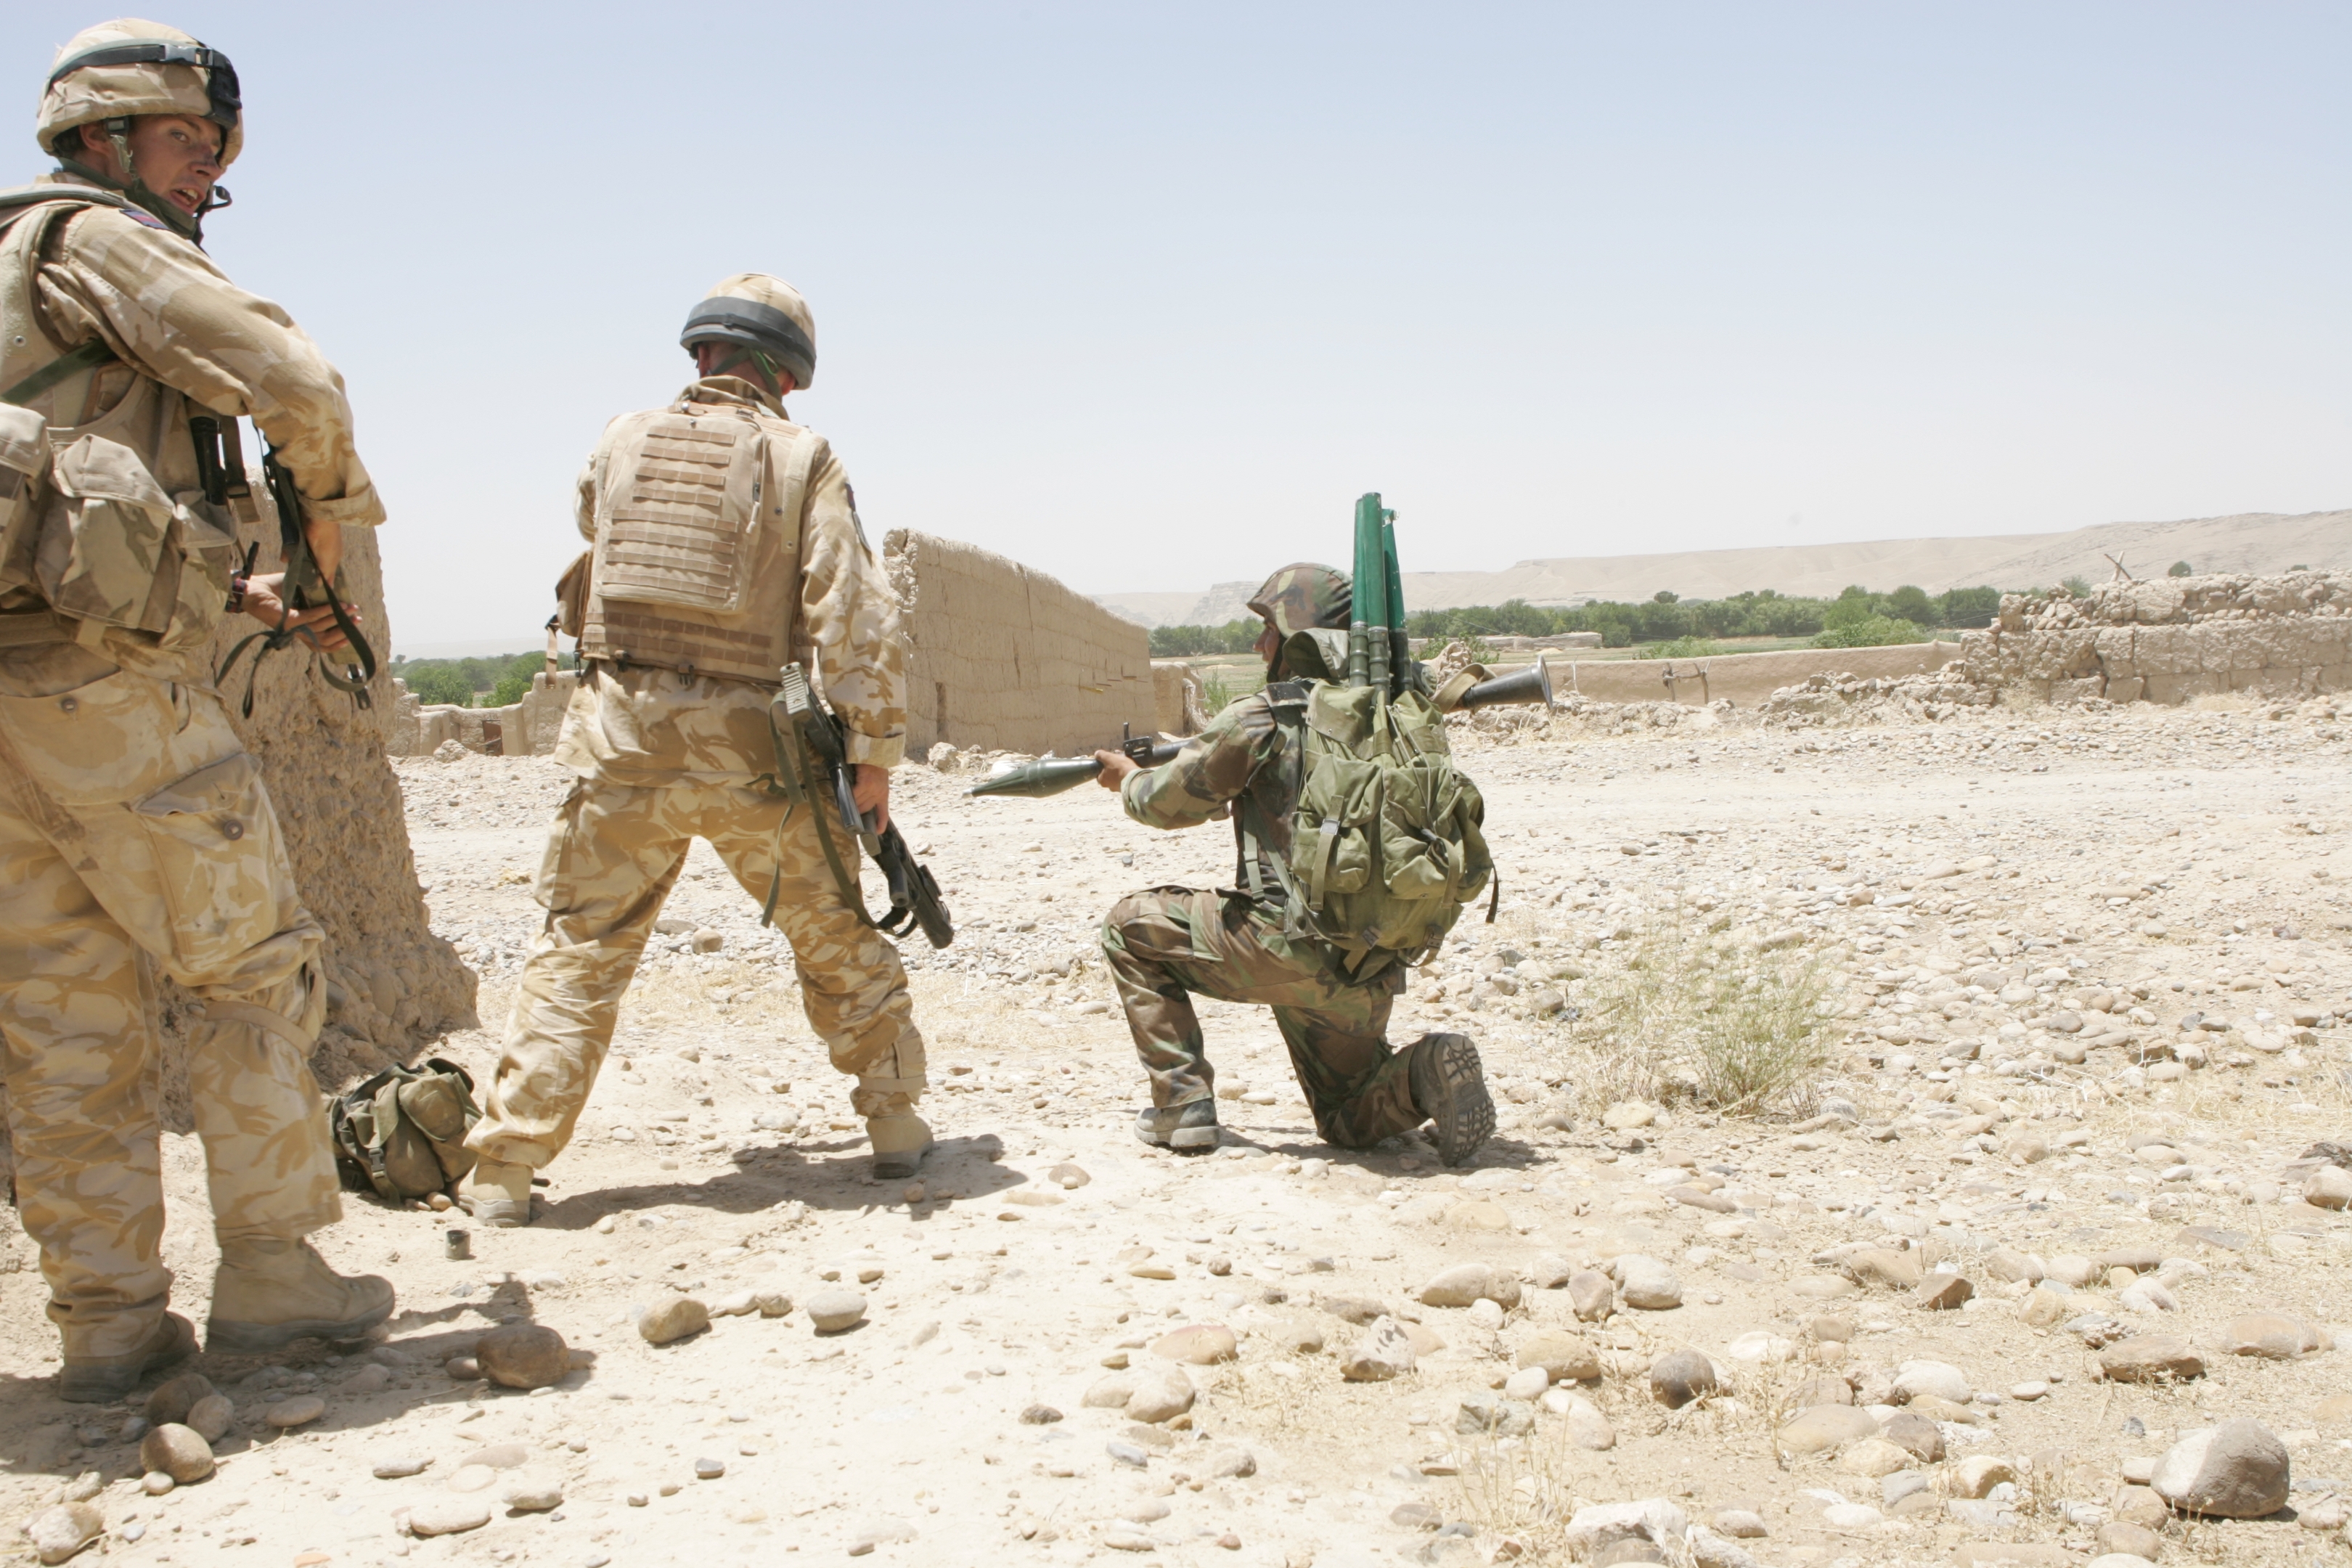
(2172, 639)
(1002, 657)
(391, 985)
(524, 728)
(1744, 678)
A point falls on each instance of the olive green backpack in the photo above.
(1386, 841)
(403, 1132)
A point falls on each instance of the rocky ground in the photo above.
(2035, 1215)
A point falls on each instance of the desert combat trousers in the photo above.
(1167, 943)
(136, 835)
(611, 857)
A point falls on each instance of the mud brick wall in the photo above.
(1004, 658)
(2174, 640)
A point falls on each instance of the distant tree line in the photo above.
(1856, 618)
(493, 682)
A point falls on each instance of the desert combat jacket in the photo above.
(128, 499)
(649, 709)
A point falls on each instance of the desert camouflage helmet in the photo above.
(126, 68)
(766, 315)
(1305, 595)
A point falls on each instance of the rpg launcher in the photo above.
(1052, 775)
(1379, 652)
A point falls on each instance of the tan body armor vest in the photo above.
(117, 532)
(696, 560)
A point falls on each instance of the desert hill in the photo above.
(2248, 542)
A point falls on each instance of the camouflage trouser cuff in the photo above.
(885, 1096)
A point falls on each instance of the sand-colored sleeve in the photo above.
(162, 306)
(851, 617)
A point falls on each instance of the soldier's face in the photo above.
(177, 156)
(1269, 642)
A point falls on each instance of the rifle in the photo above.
(1052, 775)
(220, 469)
(813, 766)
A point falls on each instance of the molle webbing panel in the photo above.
(684, 495)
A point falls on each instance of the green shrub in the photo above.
(1681, 648)
(512, 687)
(1875, 631)
(2181, 569)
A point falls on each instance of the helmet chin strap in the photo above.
(118, 136)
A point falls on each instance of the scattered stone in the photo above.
(874, 1532)
(2043, 1308)
(1564, 1357)
(2234, 1470)
(1384, 1352)
(2152, 1358)
(468, 1477)
(1592, 1295)
(1628, 1114)
(1599, 1526)
(1978, 1473)
(1469, 1283)
(2115, 1537)
(1160, 1396)
(1549, 1272)
(1527, 1383)
(1942, 1293)
(830, 1311)
(1885, 1267)
(1826, 1427)
(1942, 1379)
(448, 1515)
(773, 1301)
(56, 1533)
(211, 1416)
(1850, 1517)
(2274, 1336)
(497, 1456)
(1042, 1415)
(679, 1317)
(1352, 1308)
(156, 1483)
(298, 1411)
(2328, 1187)
(1875, 1457)
(1680, 1376)
(1483, 1413)
(1914, 1431)
(171, 1400)
(528, 1492)
(395, 1467)
(1201, 1344)
(178, 1451)
(735, 1304)
(1108, 1394)
(1646, 1283)
(709, 1470)
(1741, 1524)
(462, 1368)
(1235, 1464)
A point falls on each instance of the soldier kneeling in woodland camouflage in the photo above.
(1359, 844)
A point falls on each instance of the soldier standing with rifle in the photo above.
(1357, 844)
(135, 833)
(726, 558)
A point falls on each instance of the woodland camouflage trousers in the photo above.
(135, 835)
(611, 857)
(1167, 942)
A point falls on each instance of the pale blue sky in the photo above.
(1145, 296)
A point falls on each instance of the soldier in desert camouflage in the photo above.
(135, 833)
(725, 544)
(1165, 944)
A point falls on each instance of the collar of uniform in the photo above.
(732, 389)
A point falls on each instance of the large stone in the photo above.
(449, 1515)
(211, 1416)
(1160, 1396)
(523, 1355)
(1110, 1393)
(1942, 1379)
(832, 1312)
(2272, 1336)
(2328, 1187)
(1597, 1527)
(1915, 1432)
(1592, 1295)
(1200, 1344)
(1978, 1473)
(1874, 1457)
(675, 1319)
(1826, 1427)
(178, 1451)
(173, 1399)
(1680, 1376)
(298, 1411)
(2132, 1540)
(2043, 1308)
(1646, 1283)
(1384, 1352)
(2152, 1358)
(2235, 1470)
(1942, 1293)
(1469, 1282)
(1564, 1358)
(56, 1533)
(1885, 1267)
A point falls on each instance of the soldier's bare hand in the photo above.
(317, 626)
(1118, 767)
(869, 786)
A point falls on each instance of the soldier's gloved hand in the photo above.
(869, 786)
(1116, 768)
(317, 626)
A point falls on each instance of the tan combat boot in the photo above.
(269, 1292)
(498, 1194)
(899, 1138)
(100, 1379)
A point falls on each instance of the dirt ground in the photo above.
(2005, 917)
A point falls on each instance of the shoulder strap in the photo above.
(13, 204)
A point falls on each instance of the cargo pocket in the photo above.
(1330, 849)
(24, 480)
(557, 873)
(1420, 858)
(115, 738)
(219, 867)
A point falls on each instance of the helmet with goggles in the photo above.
(116, 71)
